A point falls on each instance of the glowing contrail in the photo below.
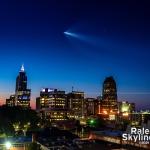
(68, 33)
(94, 41)
(71, 34)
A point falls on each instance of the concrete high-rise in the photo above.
(52, 104)
(76, 104)
(51, 98)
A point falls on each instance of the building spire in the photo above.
(22, 68)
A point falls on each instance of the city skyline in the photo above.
(112, 40)
(33, 99)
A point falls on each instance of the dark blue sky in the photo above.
(113, 39)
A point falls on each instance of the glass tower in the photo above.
(109, 97)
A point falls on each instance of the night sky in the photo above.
(112, 38)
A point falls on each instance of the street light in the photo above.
(91, 121)
(7, 145)
(105, 112)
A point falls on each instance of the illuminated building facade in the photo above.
(51, 98)
(76, 104)
(22, 94)
(125, 110)
(52, 103)
(91, 106)
(44, 100)
(108, 104)
(126, 107)
(54, 114)
(140, 117)
(11, 101)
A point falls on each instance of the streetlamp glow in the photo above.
(91, 121)
(105, 112)
(8, 145)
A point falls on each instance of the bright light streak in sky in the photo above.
(99, 42)
(71, 34)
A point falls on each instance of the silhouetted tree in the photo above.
(25, 118)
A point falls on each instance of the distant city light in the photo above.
(91, 121)
(8, 145)
(105, 112)
(50, 90)
(125, 114)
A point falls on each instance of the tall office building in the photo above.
(51, 98)
(52, 104)
(44, 99)
(22, 94)
(76, 104)
(91, 106)
(109, 104)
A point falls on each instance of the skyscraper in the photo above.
(22, 94)
(21, 80)
(109, 97)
